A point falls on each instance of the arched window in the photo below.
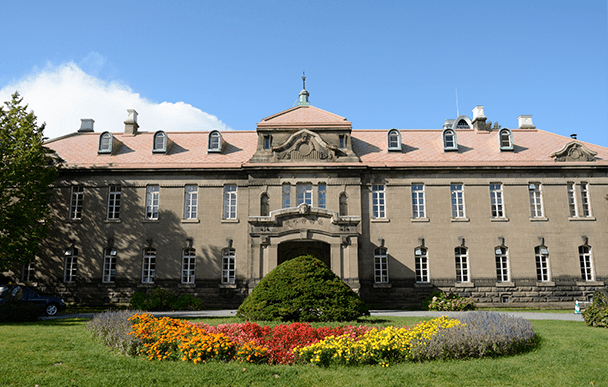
(394, 140)
(215, 142)
(264, 207)
(505, 137)
(343, 204)
(160, 142)
(105, 142)
(449, 140)
(462, 124)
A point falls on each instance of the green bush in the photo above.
(19, 311)
(597, 314)
(440, 301)
(303, 289)
(161, 300)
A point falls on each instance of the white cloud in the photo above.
(62, 95)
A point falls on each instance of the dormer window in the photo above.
(449, 140)
(160, 142)
(105, 143)
(342, 141)
(505, 138)
(462, 124)
(394, 140)
(215, 142)
(267, 141)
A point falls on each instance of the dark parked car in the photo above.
(49, 305)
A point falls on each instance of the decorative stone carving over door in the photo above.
(574, 151)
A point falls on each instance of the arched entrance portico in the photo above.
(292, 249)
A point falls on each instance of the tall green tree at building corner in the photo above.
(27, 171)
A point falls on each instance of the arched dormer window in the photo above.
(505, 138)
(264, 206)
(160, 142)
(215, 142)
(394, 140)
(462, 124)
(449, 140)
(105, 143)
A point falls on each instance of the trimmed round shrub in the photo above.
(302, 289)
(597, 314)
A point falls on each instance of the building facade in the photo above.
(515, 216)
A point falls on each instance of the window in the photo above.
(105, 142)
(585, 199)
(378, 201)
(109, 265)
(462, 264)
(230, 202)
(264, 207)
(304, 194)
(542, 263)
(70, 265)
(422, 264)
(215, 142)
(228, 260)
(343, 204)
(462, 124)
(76, 199)
(418, 206)
(505, 138)
(380, 266)
(502, 264)
(394, 140)
(341, 141)
(496, 201)
(114, 193)
(457, 193)
(536, 202)
(160, 142)
(28, 273)
(149, 266)
(584, 254)
(322, 195)
(188, 264)
(286, 196)
(191, 202)
(572, 201)
(152, 198)
(449, 140)
(267, 141)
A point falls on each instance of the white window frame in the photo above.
(109, 265)
(286, 195)
(191, 201)
(76, 202)
(393, 139)
(152, 202)
(322, 195)
(228, 266)
(501, 255)
(70, 267)
(542, 264)
(421, 258)
(215, 142)
(188, 265)
(449, 139)
(536, 200)
(497, 200)
(505, 134)
(585, 258)
(461, 255)
(584, 187)
(29, 271)
(418, 201)
(148, 267)
(114, 196)
(106, 140)
(304, 194)
(230, 202)
(381, 265)
(572, 203)
(159, 142)
(378, 201)
(457, 199)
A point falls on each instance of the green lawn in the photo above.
(62, 353)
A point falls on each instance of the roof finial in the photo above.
(304, 94)
(304, 80)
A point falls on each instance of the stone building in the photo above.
(514, 216)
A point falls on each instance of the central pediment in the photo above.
(304, 117)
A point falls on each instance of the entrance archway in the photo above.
(292, 249)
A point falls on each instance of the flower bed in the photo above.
(476, 334)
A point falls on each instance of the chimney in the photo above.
(86, 125)
(131, 123)
(525, 122)
(479, 119)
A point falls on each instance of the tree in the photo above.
(489, 126)
(27, 171)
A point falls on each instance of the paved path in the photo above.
(232, 312)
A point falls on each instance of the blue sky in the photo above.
(197, 65)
